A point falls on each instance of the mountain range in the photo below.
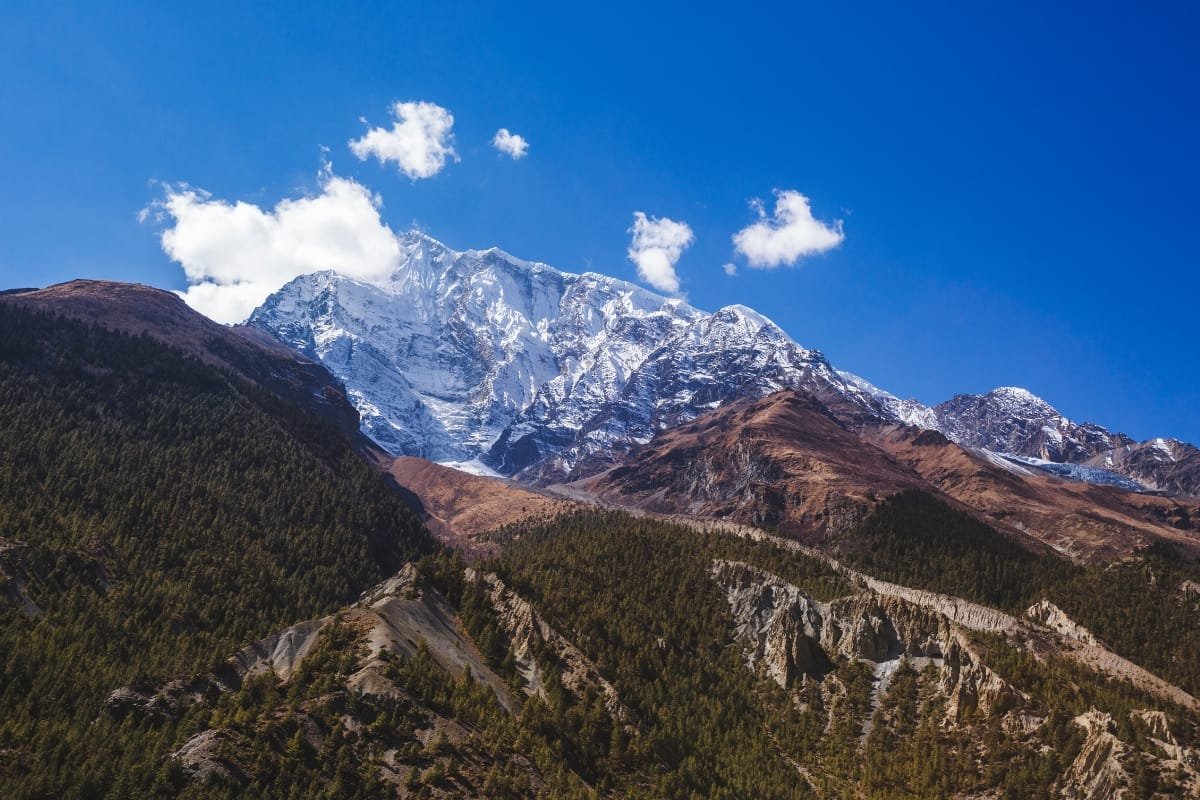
(743, 574)
(483, 360)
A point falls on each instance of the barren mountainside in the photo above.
(784, 462)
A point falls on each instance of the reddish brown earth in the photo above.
(784, 462)
(460, 508)
(779, 462)
(1084, 521)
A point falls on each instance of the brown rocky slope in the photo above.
(784, 462)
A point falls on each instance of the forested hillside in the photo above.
(155, 514)
(638, 597)
(1144, 608)
(158, 514)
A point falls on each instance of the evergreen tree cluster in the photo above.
(168, 513)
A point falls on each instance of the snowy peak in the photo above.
(1013, 420)
(910, 412)
(480, 355)
(1023, 427)
(1021, 402)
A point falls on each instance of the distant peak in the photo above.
(1015, 392)
(421, 242)
(415, 235)
(1021, 397)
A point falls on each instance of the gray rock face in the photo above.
(1012, 421)
(203, 756)
(792, 636)
(1098, 772)
(1046, 613)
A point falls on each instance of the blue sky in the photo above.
(1016, 183)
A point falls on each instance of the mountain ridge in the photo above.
(477, 356)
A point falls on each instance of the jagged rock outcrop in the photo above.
(394, 619)
(529, 633)
(203, 756)
(976, 617)
(1097, 773)
(1183, 762)
(791, 635)
(1046, 613)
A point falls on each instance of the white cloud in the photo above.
(730, 269)
(235, 254)
(420, 141)
(657, 244)
(511, 144)
(789, 234)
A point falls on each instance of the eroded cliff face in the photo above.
(392, 622)
(394, 619)
(793, 636)
(1046, 613)
(1098, 772)
(531, 637)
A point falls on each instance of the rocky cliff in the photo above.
(793, 636)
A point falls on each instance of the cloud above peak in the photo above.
(235, 254)
(511, 144)
(656, 246)
(419, 143)
(789, 234)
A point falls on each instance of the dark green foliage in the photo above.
(636, 596)
(172, 513)
(1141, 610)
(917, 540)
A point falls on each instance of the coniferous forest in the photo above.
(158, 514)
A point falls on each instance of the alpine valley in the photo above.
(487, 529)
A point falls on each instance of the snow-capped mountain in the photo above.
(477, 355)
(1018, 424)
(483, 359)
(1013, 420)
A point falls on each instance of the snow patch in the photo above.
(1079, 472)
(472, 467)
